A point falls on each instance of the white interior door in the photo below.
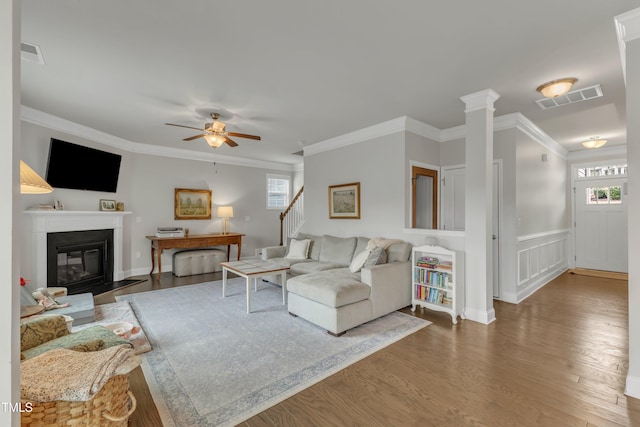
(453, 211)
(496, 231)
(601, 224)
(452, 199)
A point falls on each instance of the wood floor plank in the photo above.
(559, 358)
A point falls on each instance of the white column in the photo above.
(478, 205)
(628, 26)
(9, 214)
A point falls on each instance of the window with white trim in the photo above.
(605, 170)
(278, 191)
(604, 195)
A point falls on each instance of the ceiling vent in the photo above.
(31, 52)
(572, 97)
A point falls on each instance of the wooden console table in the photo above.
(158, 244)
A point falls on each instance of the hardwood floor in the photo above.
(558, 358)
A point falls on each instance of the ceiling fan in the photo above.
(215, 133)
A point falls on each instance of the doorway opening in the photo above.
(424, 198)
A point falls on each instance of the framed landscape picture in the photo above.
(192, 204)
(344, 201)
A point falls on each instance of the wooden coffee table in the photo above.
(254, 269)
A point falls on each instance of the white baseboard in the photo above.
(632, 387)
(480, 316)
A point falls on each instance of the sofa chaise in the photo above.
(339, 283)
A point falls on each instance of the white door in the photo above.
(452, 199)
(601, 224)
(453, 209)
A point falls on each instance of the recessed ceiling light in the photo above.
(556, 88)
(594, 142)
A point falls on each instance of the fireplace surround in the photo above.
(40, 224)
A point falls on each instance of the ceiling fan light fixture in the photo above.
(594, 142)
(214, 141)
(556, 88)
(218, 126)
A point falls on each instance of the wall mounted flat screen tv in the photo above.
(82, 168)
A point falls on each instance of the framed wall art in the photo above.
(107, 205)
(192, 204)
(344, 201)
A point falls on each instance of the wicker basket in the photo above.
(108, 408)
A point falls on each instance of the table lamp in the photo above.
(225, 212)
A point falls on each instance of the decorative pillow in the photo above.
(377, 256)
(358, 261)
(94, 345)
(298, 249)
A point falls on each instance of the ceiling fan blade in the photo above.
(230, 142)
(183, 126)
(244, 135)
(191, 138)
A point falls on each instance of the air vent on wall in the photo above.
(31, 52)
(572, 97)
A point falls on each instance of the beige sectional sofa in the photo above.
(342, 282)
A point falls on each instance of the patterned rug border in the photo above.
(334, 370)
(157, 369)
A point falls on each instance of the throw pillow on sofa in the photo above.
(298, 249)
(377, 256)
(358, 261)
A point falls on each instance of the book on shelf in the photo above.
(427, 262)
(431, 277)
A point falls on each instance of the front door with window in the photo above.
(601, 224)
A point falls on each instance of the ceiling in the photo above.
(300, 72)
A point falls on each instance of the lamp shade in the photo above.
(225, 211)
(31, 182)
(556, 88)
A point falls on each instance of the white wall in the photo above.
(35, 151)
(452, 152)
(379, 166)
(424, 151)
(541, 188)
(152, 204)
(146, 187)
(9, 217)
(633, 157)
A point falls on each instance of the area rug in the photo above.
(214, 364)
(119, 312)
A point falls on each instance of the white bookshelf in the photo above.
(437, 280)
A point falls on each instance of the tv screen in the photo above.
(82, 168)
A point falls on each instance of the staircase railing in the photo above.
(292, 218)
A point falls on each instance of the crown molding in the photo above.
(408, 124)
(40, 118)
(451, 134)
(381, 129)
(400, 124)
(422, 129)
(627, 29)
(511, 121)
(529, 128)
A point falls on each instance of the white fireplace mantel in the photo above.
(53, 221)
